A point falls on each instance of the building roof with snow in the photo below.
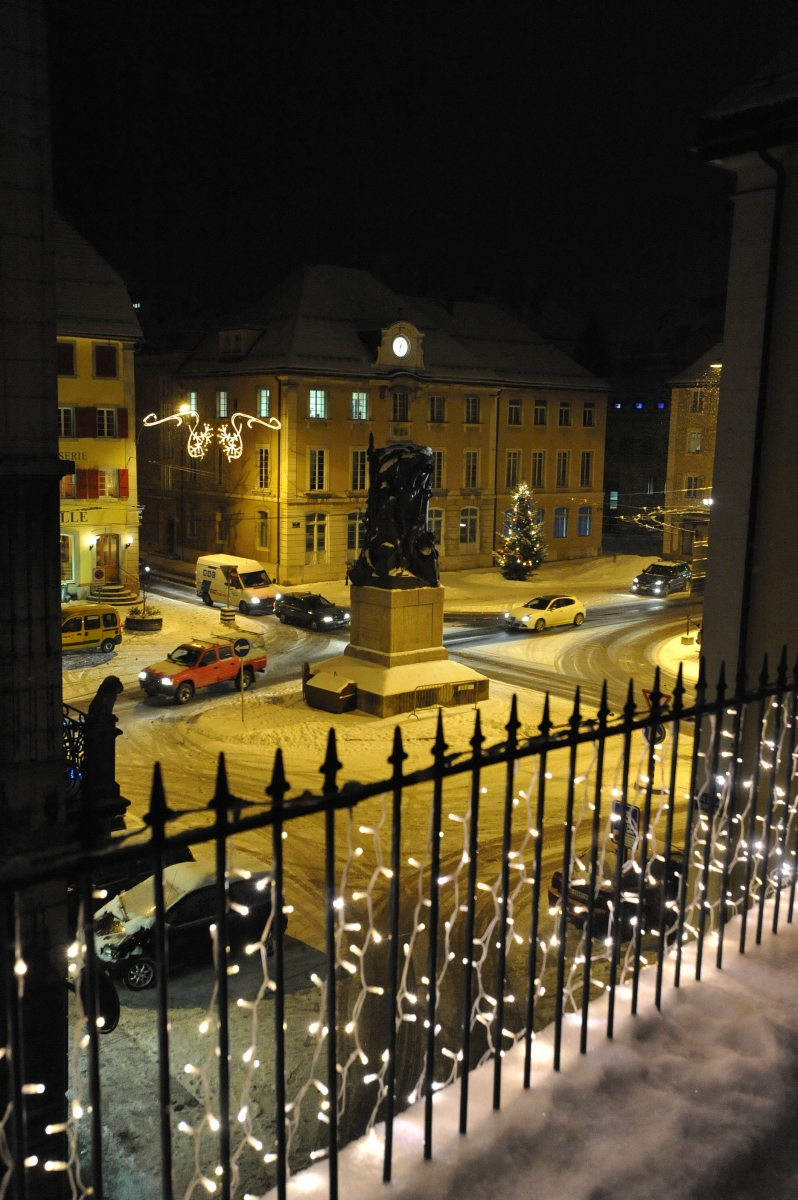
(760, 114)
(698, 370)
(91, 299)
(328, 320)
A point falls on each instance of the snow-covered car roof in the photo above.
(178, 881)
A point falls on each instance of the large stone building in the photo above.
(691, 457)
(335, 356)
(97, 329)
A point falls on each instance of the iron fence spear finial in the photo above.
(330, 767)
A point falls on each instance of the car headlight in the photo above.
(279, 596)
(525, 618)
(327, 619)
(346, 616)
(506, 614)
(636, 579)
(166, 681)
(142, 674)
(254, 600)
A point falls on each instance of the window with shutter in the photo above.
(86, 422)
(66, 358)
(121, 422)
(94, 484)
(83, 484)
(124, 483)
(105, 362)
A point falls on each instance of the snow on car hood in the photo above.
(165, 667)
(133, 910)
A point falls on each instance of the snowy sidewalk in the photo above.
(698, 1101)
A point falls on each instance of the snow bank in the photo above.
(670, 653)
(696, 1101)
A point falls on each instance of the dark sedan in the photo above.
(659, 579)
(305, 608)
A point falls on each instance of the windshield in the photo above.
(319, 602)
(185, 655)
(252, 579)
(659, 569)
(540, 602)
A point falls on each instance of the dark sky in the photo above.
(537, 153)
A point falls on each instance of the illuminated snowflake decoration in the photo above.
(231, 440)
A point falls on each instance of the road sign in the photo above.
(241, 647)
(632, 823)
(659, 734)
(664, 698)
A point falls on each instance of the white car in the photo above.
(545, 611)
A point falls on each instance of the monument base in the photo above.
(389, 691)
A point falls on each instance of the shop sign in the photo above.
(74, 516)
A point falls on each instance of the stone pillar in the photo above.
(32, 806)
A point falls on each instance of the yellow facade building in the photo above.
(691, 457)
(336, 356)
(97, 329)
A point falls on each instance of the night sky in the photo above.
(533, 153)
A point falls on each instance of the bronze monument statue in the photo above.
(398, 550)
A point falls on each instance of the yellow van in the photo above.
(90, 626)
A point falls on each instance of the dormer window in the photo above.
(231, 343)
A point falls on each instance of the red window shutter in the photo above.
(121, 422)
(86, 422)
(83, 484)
(94, 484)
(124, 482)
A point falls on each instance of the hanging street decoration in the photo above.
(199, 440)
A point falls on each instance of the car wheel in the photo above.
(281, 618)
(540, 625)
(249, 679)
(107, 646)
(184, 693)
(243, 608)
(139, 974)
(579, 618)
(315, 626)
(206, 599)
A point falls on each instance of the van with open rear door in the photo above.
(240, 582)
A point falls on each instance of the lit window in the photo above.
(166, 477)
(315, 533)
(106, 362)
(359, 459)
(263, 467)
(263, 402)
(468, 526)
(192, 402)
(584, 521)
(692, 486)
(697, 402)
(514, 412)
(589, 414)
(541, 417)
(66, 422)
(618, 404)
(560, 522)
(66, 358)
(221, 404)
(437, 409)
(67, 485)
(67, 558)
(472, 410)
(108, 482)
(106, 422)
(435, 524)
(317, 405)
(355, 530)
(400, 407)
(512, 467)
(471, 468)
(538, 468)
(360, 406)
(586, 469)
(661, 404)
(613, 500)
(694, 442)
(563, 467)
(565, 412)
(318, 470)
(638, 405)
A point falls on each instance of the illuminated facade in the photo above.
(691, 457)
(97, 329)
(335, 356)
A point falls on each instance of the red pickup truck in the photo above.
(200, 663)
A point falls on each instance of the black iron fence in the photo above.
(451, 912)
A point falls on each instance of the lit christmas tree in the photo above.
(523, 547)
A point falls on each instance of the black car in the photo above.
(124, 927)
(659, 579)
(305, 608)
(578, 897)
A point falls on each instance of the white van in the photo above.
(241, 582)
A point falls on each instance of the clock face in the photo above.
(400, 346)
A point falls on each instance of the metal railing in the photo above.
(490, 957)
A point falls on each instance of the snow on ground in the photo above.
(672, 651)
(84, 670)
(697, 1101)
(486, 590)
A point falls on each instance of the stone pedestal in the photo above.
(396, 656)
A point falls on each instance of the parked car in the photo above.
(545, 611)
(124, 927)
(90, 626)
(578, 897)
(198, 664)
(305, 608)
(242, 582)
(659, 579)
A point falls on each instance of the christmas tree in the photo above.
(523, 546)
